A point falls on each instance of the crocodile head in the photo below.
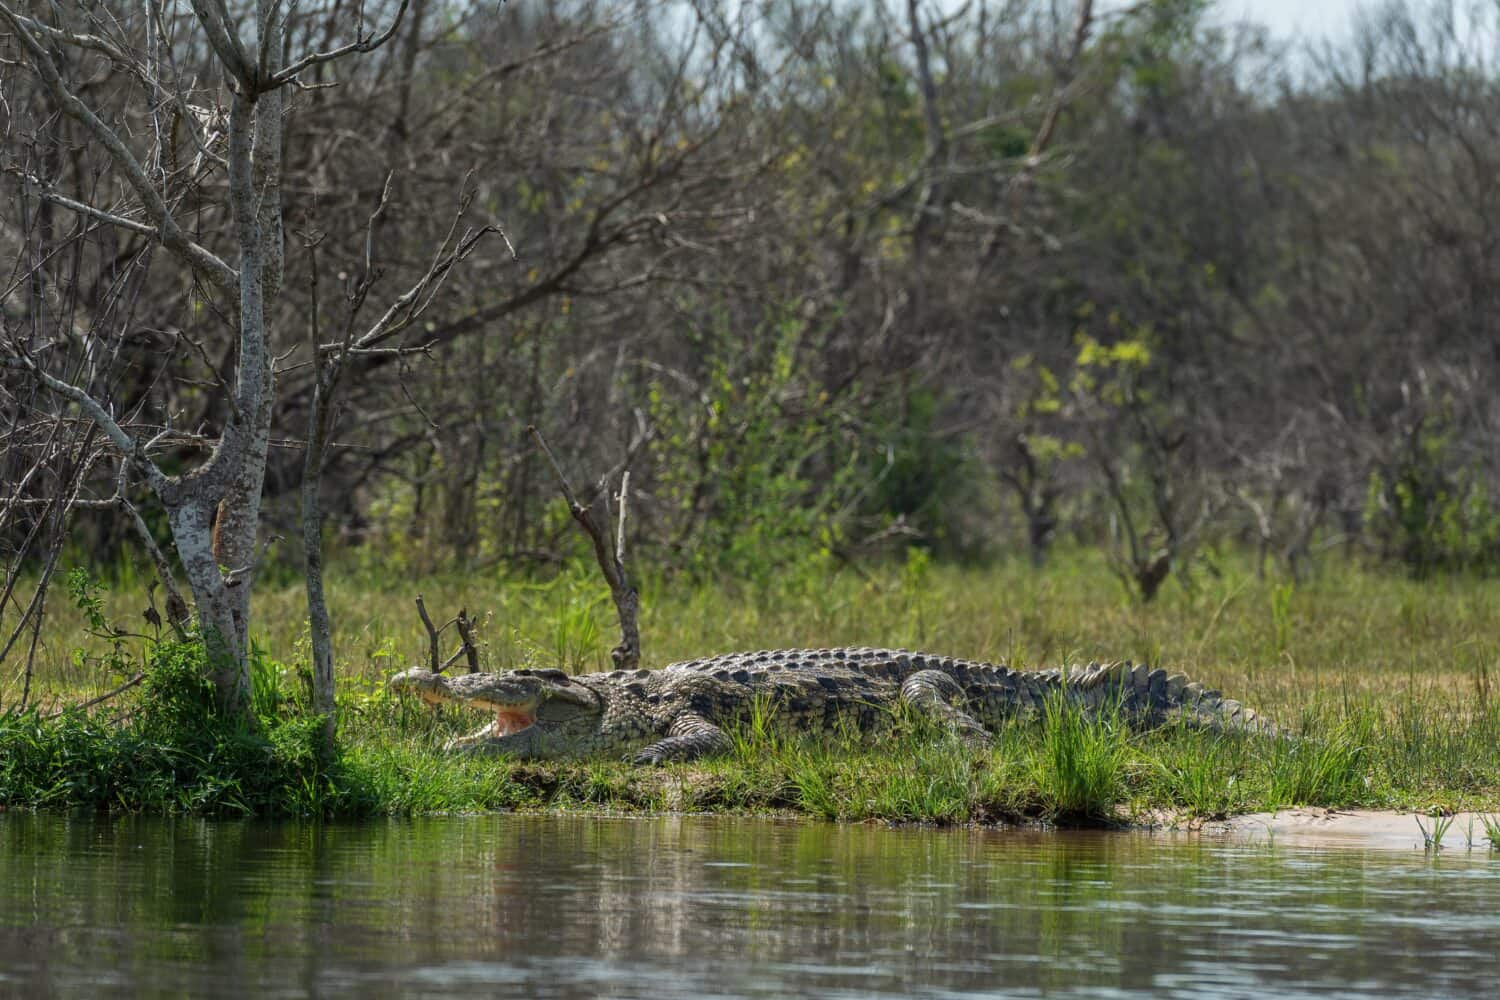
(538, 713)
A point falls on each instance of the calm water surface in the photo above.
(548, 906)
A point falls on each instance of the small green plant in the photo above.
(815, 778)
(269, 687)
(756, 732)
(1432, 839)
(1491, 826)
(87, 593)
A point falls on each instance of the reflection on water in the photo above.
(583, 906)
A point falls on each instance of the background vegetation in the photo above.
(834, 277)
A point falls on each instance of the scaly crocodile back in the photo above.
(992, 691)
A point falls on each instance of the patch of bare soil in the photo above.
(1358, 828)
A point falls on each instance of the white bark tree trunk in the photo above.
(214, 509)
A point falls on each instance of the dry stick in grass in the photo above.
(465, 626)
(102, 698)
(627, 655)
(432, 636)
(468, 647)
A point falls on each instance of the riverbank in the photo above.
(1386, 682)
(165, 751)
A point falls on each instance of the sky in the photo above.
(1308, 19)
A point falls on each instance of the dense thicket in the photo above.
(828, 276)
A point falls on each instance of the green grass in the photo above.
(1078, 761)
(1388, 683)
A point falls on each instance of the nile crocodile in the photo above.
(679, 712)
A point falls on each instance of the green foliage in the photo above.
(1006, 142)
(934, 784)
(576, 633)
(170, 751)
(1330, 769)
(917, 473)
(271, 690)
(88, 593)
(1156, 43)
(1201, 773)
(1429, 512)
(766, 478)
(1113, 374)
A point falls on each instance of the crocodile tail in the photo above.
(1156, 698)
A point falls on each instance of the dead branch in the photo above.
(432, 636)
(627, 655)
(179, 615)
(102, 698)
(465, 626)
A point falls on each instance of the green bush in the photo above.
(770, 461)
(171, 751)
(1430, 512)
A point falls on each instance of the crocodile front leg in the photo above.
(689, 737)
(939, 697)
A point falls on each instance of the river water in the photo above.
(571, 906)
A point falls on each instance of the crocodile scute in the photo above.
(681, 711)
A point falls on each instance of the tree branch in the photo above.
(167, 230)
(627, 655)
(368, 43)
(128, 446)
(214, 16)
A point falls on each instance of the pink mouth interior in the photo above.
(510, 723)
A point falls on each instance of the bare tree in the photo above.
(213, 508)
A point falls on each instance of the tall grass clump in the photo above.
(1198, 772)
(1079, 760)
(1328, 769)
(933, 784)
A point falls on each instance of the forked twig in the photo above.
(468, 648)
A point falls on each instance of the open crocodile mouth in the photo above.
(508, 723)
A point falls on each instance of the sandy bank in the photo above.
(1360, 828)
